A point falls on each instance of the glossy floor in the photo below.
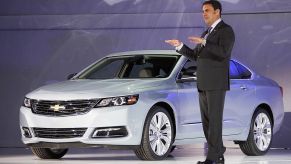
(184, 155)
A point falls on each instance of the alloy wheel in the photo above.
(160, 133)
(262, 131)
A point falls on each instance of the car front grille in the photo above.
(62, 108)
(59, 133)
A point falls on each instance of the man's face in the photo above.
(209, 14)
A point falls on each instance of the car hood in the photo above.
(88, 89)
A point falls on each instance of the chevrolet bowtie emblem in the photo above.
(57, 107)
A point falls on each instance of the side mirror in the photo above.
(70, 76)
(182, 79)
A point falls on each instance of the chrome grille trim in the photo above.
(59, 133)
(63, 108)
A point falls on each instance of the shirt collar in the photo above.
(215, 24)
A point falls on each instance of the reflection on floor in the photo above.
(182, 154)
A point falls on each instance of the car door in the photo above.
(238, 99)
(189, 112)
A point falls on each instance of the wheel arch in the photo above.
(143, 151)
(264, 106)
(249, 146)
(169, 108)
(268, 109)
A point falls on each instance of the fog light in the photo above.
(26, 132)
(110, 132)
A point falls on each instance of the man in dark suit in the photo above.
(212, 53)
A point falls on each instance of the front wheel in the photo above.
(157, 137)
(260, 135)
(49, 153)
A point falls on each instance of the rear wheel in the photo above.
(49, 153)
(173, 148)
(157, 137)
(260, 135)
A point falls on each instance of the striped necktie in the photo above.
(208, 32)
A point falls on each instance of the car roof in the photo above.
(148, 52)
(167, 52)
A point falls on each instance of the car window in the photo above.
(142, 70)
(243, 71)
(106, 70)
(233, 72)
(134, 66)
(189, 69)
(236, 70)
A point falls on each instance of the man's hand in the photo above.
(196, 40)
(174, 42)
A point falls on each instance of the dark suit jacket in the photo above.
(213, 59)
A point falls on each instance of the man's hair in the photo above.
(215, 4)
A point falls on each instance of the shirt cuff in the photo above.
(203, 42)
(178, 48)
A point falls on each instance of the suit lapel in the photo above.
(215, 29)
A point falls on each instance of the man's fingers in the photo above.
(195, 39)
(173, 42)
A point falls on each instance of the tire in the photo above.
(154, 144)
(259, 139)
(172, 148)
(48, 153)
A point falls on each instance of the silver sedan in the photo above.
(146, 101)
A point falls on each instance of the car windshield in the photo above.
(128, 67)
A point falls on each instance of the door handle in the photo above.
(243, 87)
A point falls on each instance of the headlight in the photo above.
(117, 101)
(27, 102)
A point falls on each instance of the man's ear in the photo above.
(217, 11)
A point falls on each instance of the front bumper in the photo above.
(130, 117)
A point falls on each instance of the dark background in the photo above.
(42, 41)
